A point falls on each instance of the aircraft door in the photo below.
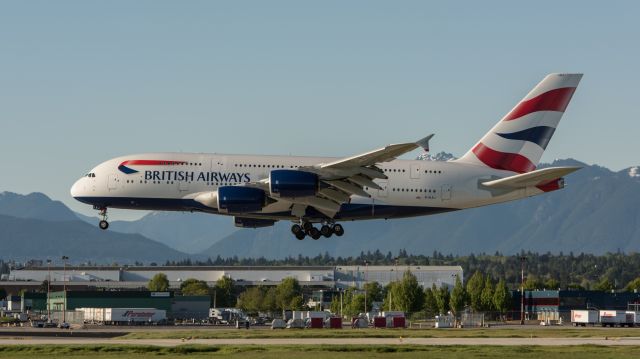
(415, 171)
(112, 183)
(384, 191)
(446, 192)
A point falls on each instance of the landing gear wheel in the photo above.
(103, 217)
(300, 235)
(314, 233)
(338, 230)
(103, 224)
(326, 231)
(295, 229)
(307, 226)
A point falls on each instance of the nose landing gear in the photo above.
(307, 229)
(103, 224)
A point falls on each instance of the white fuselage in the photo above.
(413, 187)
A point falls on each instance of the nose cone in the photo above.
(77, 189)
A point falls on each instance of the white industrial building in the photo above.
(316, 276)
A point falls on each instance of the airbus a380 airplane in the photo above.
(260, 190)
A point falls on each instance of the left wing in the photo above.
(350, 176)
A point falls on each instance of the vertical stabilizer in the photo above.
(517, 142)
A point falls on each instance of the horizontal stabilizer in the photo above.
(534, 178)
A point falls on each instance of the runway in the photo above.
(602, 341)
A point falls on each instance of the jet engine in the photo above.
(292, 184)
(234, 199)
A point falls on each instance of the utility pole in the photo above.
(523, 259)
(64, 283)
(366, 270)
(48, 290)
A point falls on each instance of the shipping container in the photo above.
(584, 317)
(123, 315)
(614, 318)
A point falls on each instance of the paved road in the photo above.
(332, 341)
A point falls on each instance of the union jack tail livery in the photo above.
(517, 142)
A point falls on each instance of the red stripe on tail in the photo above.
(554, 100)
(502, 160)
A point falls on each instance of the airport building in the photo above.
(86, 278)
(557, 304)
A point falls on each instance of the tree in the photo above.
(252, 300)
(224, 293)
(458, 297)
(405, 295)
(442, 297)
(159, 283)
(430, 302)
(193, 286)
(605, 285)
(475, 285)
(552, 283)
(501, 297)
(374, 292)
(289, 294)
(634, 285)
(532, 283)
(486, 297)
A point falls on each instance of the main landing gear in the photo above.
(307, 229)
(103, 224)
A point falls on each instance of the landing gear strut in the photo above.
(103, 218)
(307, 229)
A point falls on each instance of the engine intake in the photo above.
(234, 199)
(292, 184)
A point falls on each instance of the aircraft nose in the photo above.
(77, 188)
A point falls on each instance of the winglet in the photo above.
(424, 143)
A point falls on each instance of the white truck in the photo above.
(614, 318)
(584, 317)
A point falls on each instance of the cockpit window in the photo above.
(92, 175)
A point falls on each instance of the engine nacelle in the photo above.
(244, 222)
(292, 184)
(234, 199)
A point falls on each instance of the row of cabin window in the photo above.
(172, 182)
(400, 170)
(262, 166)
(412, 190)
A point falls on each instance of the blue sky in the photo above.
(84, 81)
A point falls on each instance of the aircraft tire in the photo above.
(314, 233)
(295, 229)
(300, 235)
(338, 230)
(103, 225)
(326, 231)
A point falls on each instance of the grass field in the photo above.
(389, 333)
(316, 352)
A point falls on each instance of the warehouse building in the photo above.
(557, 304)
(85, 277)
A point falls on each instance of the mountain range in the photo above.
(597, 212)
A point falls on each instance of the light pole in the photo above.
(523, 259)
(64, 290)
(48, 290)
(366, 270)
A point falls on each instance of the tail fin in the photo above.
(517, 142)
